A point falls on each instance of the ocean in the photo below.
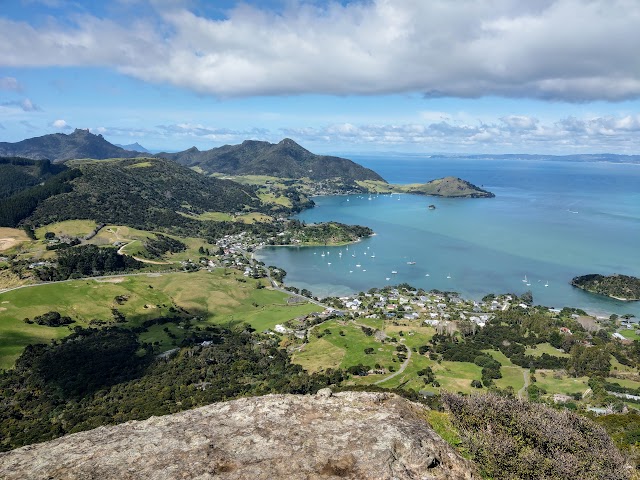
(551, 220)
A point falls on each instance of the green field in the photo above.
(343, 350)
(217, 297)
(557, 382)
(71, 228)
(544, 348)
(629, 334)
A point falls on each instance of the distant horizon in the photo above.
(370, 153)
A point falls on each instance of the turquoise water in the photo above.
(550, 221)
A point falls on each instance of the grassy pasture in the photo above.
(217, 297)
(545, 348)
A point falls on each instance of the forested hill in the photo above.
(285, 159)
(59, 147)
(17, 174)
(140, 192)
(621, 287)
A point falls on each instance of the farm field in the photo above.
(217, 297)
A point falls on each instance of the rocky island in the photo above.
(450, 187)
(620, 287)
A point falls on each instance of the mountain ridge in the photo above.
(285, 159)
(59, 147)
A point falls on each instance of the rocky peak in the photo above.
(345, 435)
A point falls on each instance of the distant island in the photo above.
(450, 187)
(620, 287)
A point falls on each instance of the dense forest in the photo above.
(324, 233)
(623, 287)
(17, 174)
(99, 377)
(16, 208)
(144, 194)
(161, 244)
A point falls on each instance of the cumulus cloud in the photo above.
(60, 124)
(570, 50)
(11, 84)
(525, 134)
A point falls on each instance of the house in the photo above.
(618, 336)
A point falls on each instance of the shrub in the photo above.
(510, 438)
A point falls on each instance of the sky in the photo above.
(374, 76)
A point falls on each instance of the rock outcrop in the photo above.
(344, 435)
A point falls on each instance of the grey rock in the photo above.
(342, 435)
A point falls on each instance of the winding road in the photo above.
(525, 374)
(400, 370)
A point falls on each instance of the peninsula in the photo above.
(620, 287)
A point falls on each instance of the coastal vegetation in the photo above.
(620, 287)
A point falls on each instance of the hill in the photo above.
(133, 147)
(285, 159)
(451, 187)
(143, 193)
(17, 174)
(620, 287)
(59, 147)
(344, 435)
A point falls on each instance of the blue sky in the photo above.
(475, 76)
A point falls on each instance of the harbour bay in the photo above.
(550, 221)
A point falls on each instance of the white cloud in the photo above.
(25, 105)
(60, 124)
(571, 50)
(11, 84)
(568, 135)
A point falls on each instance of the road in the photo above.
(400, 370)
(525, 374)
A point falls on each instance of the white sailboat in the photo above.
(449, 276)
(547, 283)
